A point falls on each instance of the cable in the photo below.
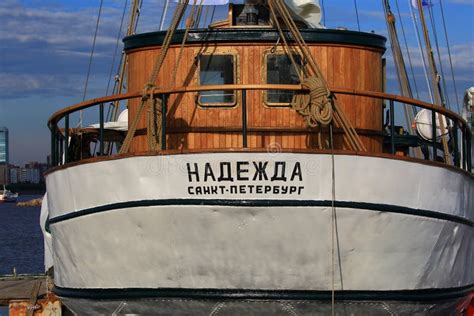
(449, 55)
(212, 15)
(444, 97)
(165, 10)
(324, 12)
(407, 50)
(90, 60)
(119, 35)
(417, 31)
(357, 14)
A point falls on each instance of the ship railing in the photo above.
(458, 129)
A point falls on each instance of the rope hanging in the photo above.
(278, 8)
(449, 56)
(148, 98)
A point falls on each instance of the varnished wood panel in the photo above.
(343, 66)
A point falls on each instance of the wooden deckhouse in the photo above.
(250, 57)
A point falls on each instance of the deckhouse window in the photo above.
(217, 69)
(280, 70)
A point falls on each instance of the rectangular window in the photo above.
(280, 70)
(217, 69)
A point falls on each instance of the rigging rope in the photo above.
(119, 35)
(324, 12)
(212, 15)
(339, 116)
(189, 23)
(444, 96)
(163, 16)
(407, 50)
(449, 55)
(148, 98)
(333, 209)
(435, 78)
(420, 49)
(357, 15)
(90, 60)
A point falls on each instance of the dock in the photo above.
(29, 295)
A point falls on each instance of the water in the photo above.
(21, 239)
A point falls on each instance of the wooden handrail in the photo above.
(57, 116)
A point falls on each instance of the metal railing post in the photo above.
(53, 146)
(456, 144)
(468, 150)
(464, 152)
(244, 118)
(164, 111)
(101, 128)
(61, 146)
(58, 147)
(66, 138)
(392, 128)
(433, 135)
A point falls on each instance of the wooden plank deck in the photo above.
(20, 287)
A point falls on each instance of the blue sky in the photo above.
(45, 47)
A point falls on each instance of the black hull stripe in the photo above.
(266, 203)
(240, 294)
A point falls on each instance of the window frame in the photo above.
(267, 53)
(236, 76)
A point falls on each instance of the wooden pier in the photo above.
(29, 295)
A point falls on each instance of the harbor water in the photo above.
(21, 239)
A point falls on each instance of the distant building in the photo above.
(4, 174)
(4, 151)
(14, 174)
(29, 175)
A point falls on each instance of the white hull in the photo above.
(135, 223)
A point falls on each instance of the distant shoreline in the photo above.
(27, 188)
(30, 192)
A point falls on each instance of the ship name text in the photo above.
(245, 177)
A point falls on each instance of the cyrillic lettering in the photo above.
(284, 190)
(276, 189)
(222, 176)
(241, 170)
(281, 177)
(208, 172)
(190, 190)
(259, 189)
(242, 189)
(233, 189)
(297, 172)
(268, 188)
(260, 170)
(251, 188)
(300, 189)
(195, 172)
(293, 189)
(198, 191)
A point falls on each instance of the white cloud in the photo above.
(13, 85)
(55, 27)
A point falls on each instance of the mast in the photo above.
(132, 26)
(436, 81)
(403, 81)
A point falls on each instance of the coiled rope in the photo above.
(315, 107)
